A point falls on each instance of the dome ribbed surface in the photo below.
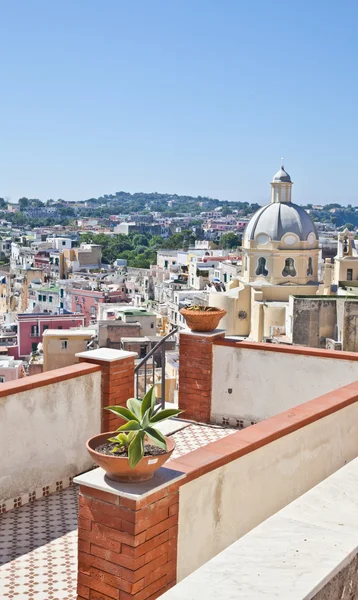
(277, 219)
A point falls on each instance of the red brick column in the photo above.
(127, 547)
(117, 368)
(195, 374)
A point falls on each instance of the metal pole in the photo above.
(163, 376)
(145, 379)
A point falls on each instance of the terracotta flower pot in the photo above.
(202, 320)
(117, 467)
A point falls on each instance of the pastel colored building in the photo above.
(30, 328)
(60, 346)
(86, 301)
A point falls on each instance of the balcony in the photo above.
(34, 334)
(223, 491)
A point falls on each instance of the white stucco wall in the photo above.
(265, 383)
(219, 507)
(43, 432)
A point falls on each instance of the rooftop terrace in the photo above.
(38, 541)
(222, 483)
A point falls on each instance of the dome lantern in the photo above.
(281, 186)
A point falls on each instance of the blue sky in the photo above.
(190, 96)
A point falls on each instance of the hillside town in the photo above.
(282, 278)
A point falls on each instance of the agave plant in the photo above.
(197, 307)
(141, 416)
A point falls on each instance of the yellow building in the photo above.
(280, 258)
(60, 346)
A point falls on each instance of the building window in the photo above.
(152, 325)
(34, 346)
(345, 246)
(61, 304)
(166, 264)
(289, 268)
(59, 327)
(261, 267)
(78, 308)
(50, 298)
(61, 293)
(43, 298)
(40, 297)
(349, 274)
(93, 311)
(64, 344)
(2, 379)
(44, 328)
(310, 266)
(34, 331)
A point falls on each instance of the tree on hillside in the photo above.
(230, 240)
(23, 203)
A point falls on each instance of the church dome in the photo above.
(282, 175)
(279, 218)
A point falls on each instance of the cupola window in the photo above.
(261, 267)
(289, 268)
(310, 266)
(345, 245)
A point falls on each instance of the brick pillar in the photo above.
(117, 380)
(127, 542)
(195, 373)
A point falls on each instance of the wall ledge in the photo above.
(216, 454)
(287, 349)
(34, 381)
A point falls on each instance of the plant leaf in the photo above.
(121, 438)
(131, 435)
(157, 437)
(130, 426)
(146, 419)
(122, 411)
(117, 448)
(136, 450)
(148, 401)
(134, 406)
(165, 414)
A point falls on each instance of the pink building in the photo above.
(30, 327)
(86, 301)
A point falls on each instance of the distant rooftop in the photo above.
(136, 312)
(52, 288)
(69, 332)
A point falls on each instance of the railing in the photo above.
(157, 350)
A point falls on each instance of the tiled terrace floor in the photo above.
(38, 542)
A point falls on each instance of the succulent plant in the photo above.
(141, 415)
(197, 307)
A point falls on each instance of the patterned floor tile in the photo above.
(196, 436)
(38, 541)
(38, 549)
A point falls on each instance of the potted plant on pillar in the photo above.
(202, 318)
(136, 449)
